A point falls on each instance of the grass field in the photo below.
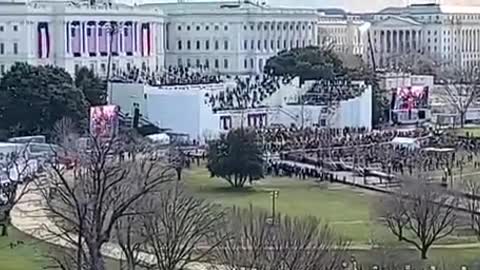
(29, 255)
(349, 211)
(32, 254)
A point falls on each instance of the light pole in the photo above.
(274, 195)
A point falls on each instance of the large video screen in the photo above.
(104, 121)
(410, 98)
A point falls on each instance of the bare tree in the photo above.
(130, 237)
(472, 188)
(17, 172)
(180, 229)
(292, 243)
(393, 212)
(89, 203)
(429, 213)
(461, 89)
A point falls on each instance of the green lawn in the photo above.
(32, 254)
(24, 256)
(473, 131)
(348, 210)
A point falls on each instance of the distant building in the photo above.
(447, 34)
(347, 33)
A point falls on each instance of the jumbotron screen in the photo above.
(410, 98)
(104, 121)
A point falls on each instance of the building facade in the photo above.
(72, 35)
(448, 35)
(346, 33)
(233, 37)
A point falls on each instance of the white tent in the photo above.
(160, 138)
(405, 142)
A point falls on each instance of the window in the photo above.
(259, 45)
(225, 28)
(260, 64)
(207, 45)
(272, 46)
(188, 62)
(179, 45)
(278, 44)
(198, 27)
(297, 27)
(15, 28)
(189, 45)
(278, 26)
(252, 63)
(197, 63)
(15, 48)
(303, 43)
(291, 26)
(265, 27)
(89, 32)
(245, 44)
(73, 33)
(225, 63)
(297, 43)
(265, 44)
(1, 28)
(284, 44)
(198, 45)
(99, 32)
(216, 27)
(2, 69)
(259, 27)
(179, 62)
(245, 27)
(179, 29)
(125, 32)
(207, 63)
(216, 63)
(2, 48)
(251, 27)
(291, 43)
(252, 44)
(245, 64)
(216, 45)
(103, 67)
(225, 45)
(188, 28)
(207, 27)
(272, 27)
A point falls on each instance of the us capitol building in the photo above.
(234, 37)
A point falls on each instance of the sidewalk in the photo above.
(29, 217)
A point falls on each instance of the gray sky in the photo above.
(349, 5)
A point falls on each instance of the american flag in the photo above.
(128, 36)
(43, 40)
(92, 38)
(102, 38)
(76, 39)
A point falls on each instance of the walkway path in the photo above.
(30, 217)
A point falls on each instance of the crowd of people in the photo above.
(294, 138)
(362, 150)
(170, 76)
(249, 92)
(327, 92)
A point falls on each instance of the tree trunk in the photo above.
(462, 119)
(179, 174)
(423, 253)
(96, 258)
(4, 229)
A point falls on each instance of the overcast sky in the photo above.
(349, 5)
